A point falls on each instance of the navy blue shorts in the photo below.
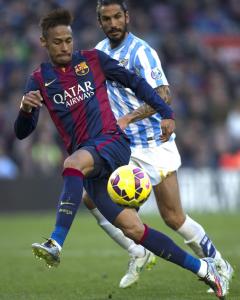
(109, 153)
(97, 190)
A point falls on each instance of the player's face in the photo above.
(114, 22)
(59, 44)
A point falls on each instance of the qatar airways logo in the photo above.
(75, 94)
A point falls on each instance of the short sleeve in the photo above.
(147, 65)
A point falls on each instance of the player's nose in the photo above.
(113, 23)
(64, 47)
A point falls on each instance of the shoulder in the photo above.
(102, 44)
(93, 54)
(37, 75)
(85, 54)
(34, 80)
(140, 43)
(143, 46)
(37, 71)
(140, 47)
(41, 70)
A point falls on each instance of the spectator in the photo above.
(204, 82)
(8, 168)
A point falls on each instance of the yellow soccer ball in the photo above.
(129, 186)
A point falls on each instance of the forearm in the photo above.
(145, 110)
(164, 92)
(24, 124)
(28, 114)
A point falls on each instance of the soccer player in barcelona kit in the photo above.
(72, 86)
(158, 157)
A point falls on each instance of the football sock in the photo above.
(164, 247)
(117, 235)
(136, 250)
(203, 269)
(195, 237)
(68, 203)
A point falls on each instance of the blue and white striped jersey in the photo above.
(137, 56)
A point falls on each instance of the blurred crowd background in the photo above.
(198, 43)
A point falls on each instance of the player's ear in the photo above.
(99, 22)
(43, 41)
(127, 17)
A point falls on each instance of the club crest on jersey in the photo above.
(156, 73)
(81, 69)
(123, 62)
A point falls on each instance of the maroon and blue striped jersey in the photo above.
(77, 100)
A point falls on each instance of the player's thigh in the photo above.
(167, 195)
(97, 190)
(99, 166)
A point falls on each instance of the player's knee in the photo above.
(174, 220)
(70, 163)
(134, 232)
(73, 163)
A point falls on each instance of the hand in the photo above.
(32, 99)
(123, 122)
(167, 126)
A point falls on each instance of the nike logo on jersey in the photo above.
(50, 82)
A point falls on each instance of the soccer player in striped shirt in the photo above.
(72, 86)
(158, 157)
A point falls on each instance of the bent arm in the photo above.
(28, 115)
(145, 110)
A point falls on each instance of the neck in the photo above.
(115, 44)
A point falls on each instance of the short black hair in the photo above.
(122, 3)
(59, 16)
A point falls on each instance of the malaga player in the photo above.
(72, 86)
(159, 158)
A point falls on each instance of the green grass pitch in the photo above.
(92, 264)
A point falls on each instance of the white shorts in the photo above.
(157, 161)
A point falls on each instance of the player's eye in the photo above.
(118, 16)
(57, 42)
(105, 19)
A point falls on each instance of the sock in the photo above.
(203, 269)
(117, 235)
(68, 203)
(195, 237)
(163, 246)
